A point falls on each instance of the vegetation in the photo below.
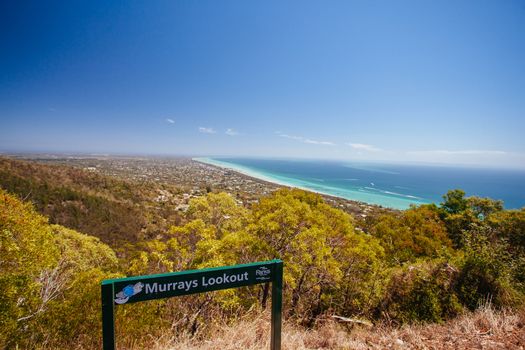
(47, 274)
(485, 328)
(426, 264)
(113, 210)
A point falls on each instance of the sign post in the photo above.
(141, 288)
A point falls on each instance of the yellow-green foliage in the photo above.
(416, 232)
(49, 278)
(510, 225)
(327, 262)
(331, 267)
(219, 210)
(82, 252)
(213, 236)
(26, 252)
(422, 264)
(462, 214)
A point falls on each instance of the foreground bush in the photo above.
(422, 292)
(489, 271)
(49, 278)
(416, 266)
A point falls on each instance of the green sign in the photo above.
(141, 288)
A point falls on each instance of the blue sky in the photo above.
(433, 81)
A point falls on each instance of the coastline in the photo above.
(359, 205)
(250, 173)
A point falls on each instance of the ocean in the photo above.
(389, 185)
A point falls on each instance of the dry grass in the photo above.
(484, 329)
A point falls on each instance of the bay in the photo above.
(389, 185)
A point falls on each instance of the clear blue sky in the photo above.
(436, 81)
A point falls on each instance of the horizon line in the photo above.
(197, 155)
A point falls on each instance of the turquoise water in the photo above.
(393, 186)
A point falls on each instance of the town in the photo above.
(190, 177)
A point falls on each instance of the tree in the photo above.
(217, 209)
(510, 225)
(461, 213)
(484, 207)
(423, 291)
(40, 269)
(27, 257)
(454, 202)
(325, 258)
(414, 233)
(487, 271)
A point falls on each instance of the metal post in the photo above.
(277, 301)
(108, 317)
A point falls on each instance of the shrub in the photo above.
(421, 292)
(49, 278)
(487, 271)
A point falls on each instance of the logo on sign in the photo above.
(262, 273)
(127, 292)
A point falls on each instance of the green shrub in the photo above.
(422, 292)
(487, 272)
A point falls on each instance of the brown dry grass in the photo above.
(484, 329)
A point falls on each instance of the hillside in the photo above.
(114, 210)
(431, 265)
